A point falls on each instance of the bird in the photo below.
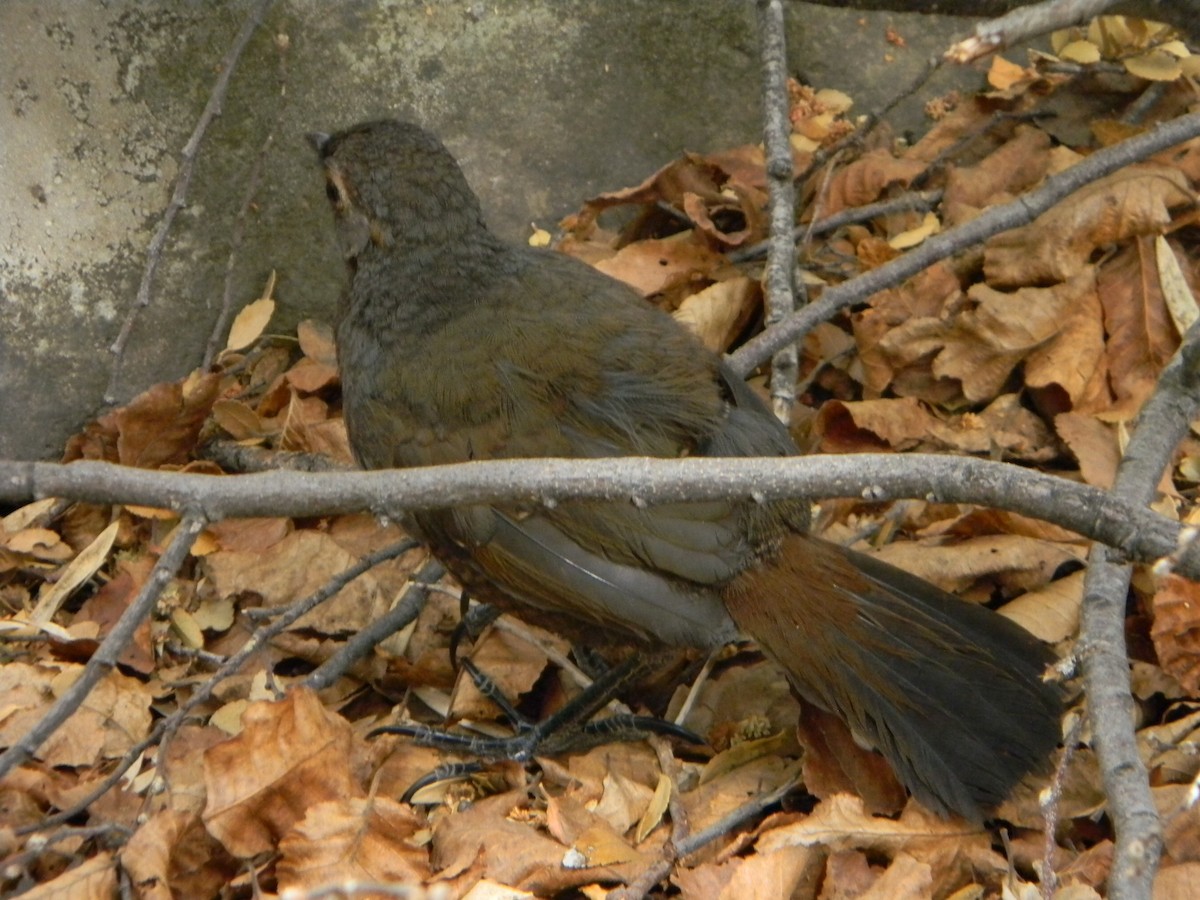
(454, 346)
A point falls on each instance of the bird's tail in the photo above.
(950, 693)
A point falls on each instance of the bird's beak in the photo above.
(319, 140)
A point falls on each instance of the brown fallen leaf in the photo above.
(171, 855)
(718, 313)
(1135, 201)
(294, 567)
(291, 755)
(250, 323)
(1141, 336)
(1176, 630)
(158, 427)
(353, 839)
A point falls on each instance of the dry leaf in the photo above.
(1003, 75)
(353, 839)
(1050, 613)
(92, 879)
(79, 570)
(301, 757)
(656, 809)
(1176, 630)
(1141, 338)
(912, 237)
(1058, 245)
(1181, 303)
(317, 342)
(250, 323)
(719, 313)
(1080, 52)
(1156, 65)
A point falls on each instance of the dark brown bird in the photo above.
(455, 346)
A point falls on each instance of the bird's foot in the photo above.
(570, 729)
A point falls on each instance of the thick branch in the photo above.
(1138, 532)
(1161, 425)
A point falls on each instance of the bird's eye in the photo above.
(332, 192)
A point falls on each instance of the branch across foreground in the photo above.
(1142, 534)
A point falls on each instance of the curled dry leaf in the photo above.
(317, 342)
(1140, 334)
(172, 855)
(73, 575)
(1050, 613)
(865, 180)
(655, 809)
(1094, 446)
(1177, 294)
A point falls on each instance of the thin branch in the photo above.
(1091, 512)
(869, 122)
(1023, 24)
(166, 727)
(778, 279)
(1162, 424)
(919, 200)
(104, 660)
(735, 819)
(409, 605)
(1020, 211)
(218, 335)
(1050, 801)
(187, 167)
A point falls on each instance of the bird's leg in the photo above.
(569, 729)
(471, 623)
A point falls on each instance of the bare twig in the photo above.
(735, 819)
(1091, 512)
(187, 166)
(104, 660)
(253, 182)
(1163, 422)
(1018, 212)
(401, 614)
(778, 278)
(1049, 802)
(1023, 24)
(851, 216)
(661, 868)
